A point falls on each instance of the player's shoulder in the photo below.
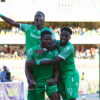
(68, 45)
(47, 28)
(26, 24)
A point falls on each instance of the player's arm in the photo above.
(55, 75)
(28, 72)
(54, 61)
(9, 21)
(45, 62)
(29, 75)
(62, 56)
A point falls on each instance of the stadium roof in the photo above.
(55, 10)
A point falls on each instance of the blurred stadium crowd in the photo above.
(9, 51)
(6, 29)
(12, 52)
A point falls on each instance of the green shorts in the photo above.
(31, 95)
(40, 90)
(69, 86)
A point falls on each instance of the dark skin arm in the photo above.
(53, 46)
(10, 21)
(29, 76)
(46, 62)
(55, 74)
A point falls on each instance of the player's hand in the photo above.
(32, 85)
(51, 81)
(33, 82)
(30, 62)
(39, 52)
(60, 79)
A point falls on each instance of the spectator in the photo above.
(8, 49)
(5, 74)
(0, 73)
(84, 85)
(82, 76)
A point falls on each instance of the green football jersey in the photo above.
(42, 73)
(67, 66)
(33, 35)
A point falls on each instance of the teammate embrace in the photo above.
(50, 65)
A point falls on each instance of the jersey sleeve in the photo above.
(65, 52)
(56, 53)
(29, 54)
(24, 27)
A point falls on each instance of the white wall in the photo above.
(72, 10)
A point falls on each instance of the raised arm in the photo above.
(9, 21)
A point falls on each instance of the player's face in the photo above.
(64, 37)
(38, 19)
(47, 40)
(4, 69)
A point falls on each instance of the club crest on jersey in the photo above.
(49, 53)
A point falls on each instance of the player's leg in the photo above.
(61, 89)
(71, 83)
(55, 96)
(31, 93)
(52, 92)
(39, 92)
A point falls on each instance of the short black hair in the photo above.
(66, 29)
(41, 13)
(45, 32)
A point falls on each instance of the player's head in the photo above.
(82, 73)
(65, 35)
(4, 68)
(46, 38)
(39, 18)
